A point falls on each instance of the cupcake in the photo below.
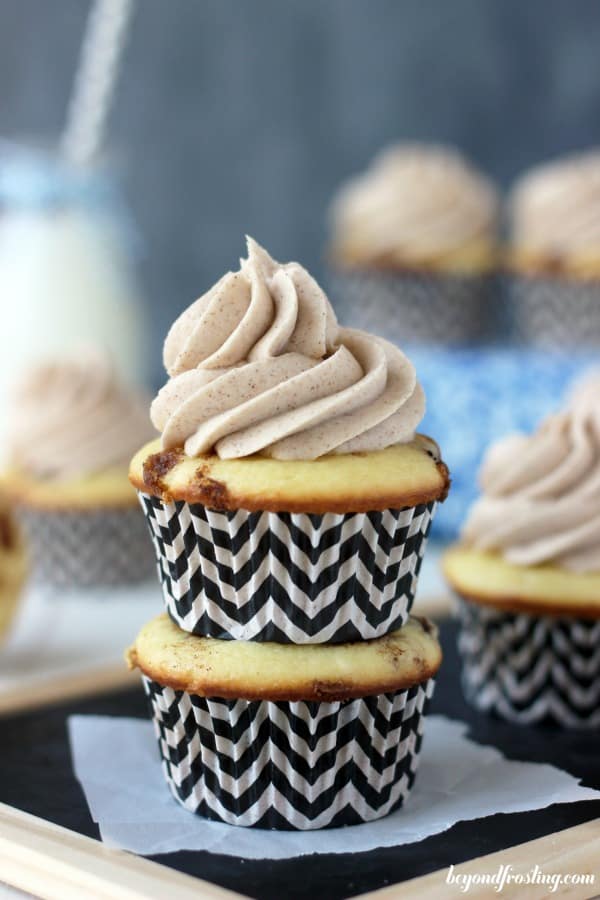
(12, 567)
(289, 498)
(73, 428)
(288, 737)
(554, 254)
(414, 241)
(528, 573)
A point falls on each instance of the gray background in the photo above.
(244, 115)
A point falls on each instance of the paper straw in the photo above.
(96, 78)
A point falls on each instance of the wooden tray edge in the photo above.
(54, 863)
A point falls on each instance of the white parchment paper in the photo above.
(117, 762)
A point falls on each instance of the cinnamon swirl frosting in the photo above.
(416, 205)
(74, 417)
(259, 364)
(541, 492)
(555, 208)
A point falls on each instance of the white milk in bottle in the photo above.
(66, 275)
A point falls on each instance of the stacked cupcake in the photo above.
(528, 573)
(289, 502)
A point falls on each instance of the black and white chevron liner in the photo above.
(531, 669)
(441, 309)
(287, 577)
(297, 765)
(555, 312)
(85, 549)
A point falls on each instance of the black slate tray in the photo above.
(36, 776)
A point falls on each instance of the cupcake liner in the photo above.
(555, 312)
(289, 765)
(73, 548)
(425, 308)
(287, 577)
(531, 669)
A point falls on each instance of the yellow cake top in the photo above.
(476, 258)
(576, 266)
(402, 475)
(107, 489)
(487, 578)
(13, 567)
(253, 670)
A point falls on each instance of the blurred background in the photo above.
(140, 141)
(233, 117)
(195, 122)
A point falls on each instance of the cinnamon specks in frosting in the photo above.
(541, 492)
(259, 364)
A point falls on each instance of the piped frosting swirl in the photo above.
(259, 364)
(415, 205)
(555, 208)
(74, 418)
(541, 492)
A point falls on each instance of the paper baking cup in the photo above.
(84, 549)
(531, 669)
(424, 308)
(297, 765)
(555, 312)
(287, 577)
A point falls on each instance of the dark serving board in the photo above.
(36, 776)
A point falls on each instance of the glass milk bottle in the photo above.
(66, 275)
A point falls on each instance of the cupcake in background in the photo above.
(13, 567)
(73, 427)
(528, 572)
(413, 246)
(554, 253)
